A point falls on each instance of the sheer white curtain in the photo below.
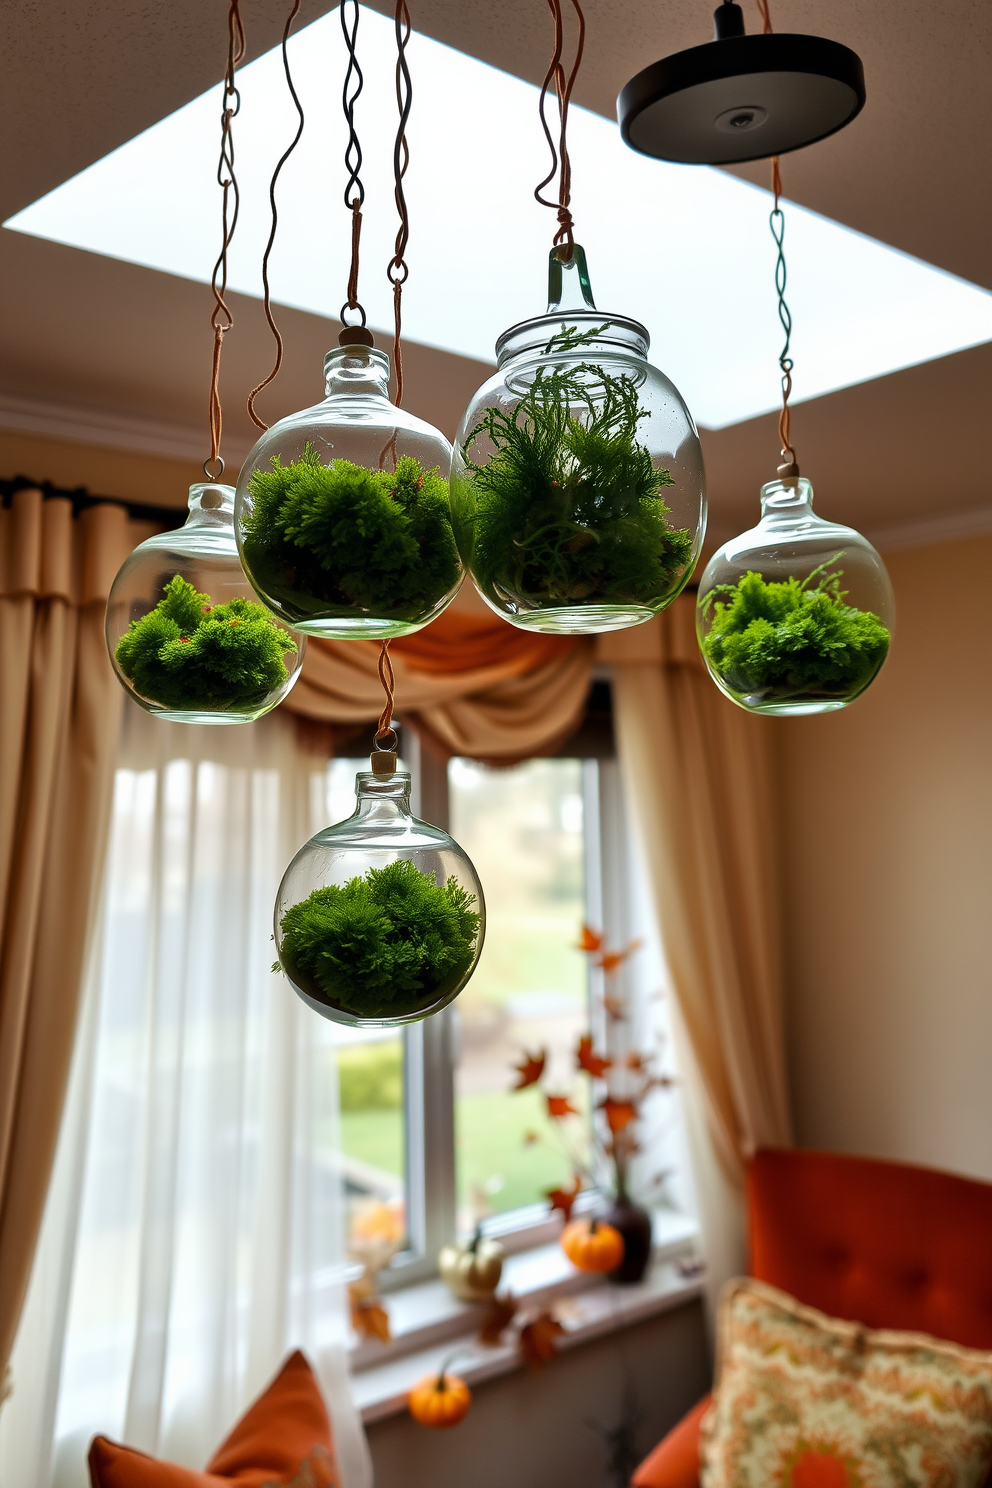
(194, 1232)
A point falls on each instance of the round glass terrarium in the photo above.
(186, 634)
(380, 919)
(794, 616)
(577, 480)
(343, 513)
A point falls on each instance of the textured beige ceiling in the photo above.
(914, 170)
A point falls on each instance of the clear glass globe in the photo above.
(794, 616)
(186, 634)
(379, 920)
(343, 511)
(577, 480)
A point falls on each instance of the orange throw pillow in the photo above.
(283, 1438)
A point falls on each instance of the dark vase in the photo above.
(634, 1223)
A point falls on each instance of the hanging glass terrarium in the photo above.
(380, 919)
(794, 616)
(577, 482)
(343, 514)
(187, 637)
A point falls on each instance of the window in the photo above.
(428, 1119)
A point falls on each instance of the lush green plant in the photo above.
(190, 655)
(386, 945)
(340, 537)
(567, 509)
(792, 638)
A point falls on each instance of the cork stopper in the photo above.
(383, 762)
(788, 472)
(355, 335)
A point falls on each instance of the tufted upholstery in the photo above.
(885, 1244)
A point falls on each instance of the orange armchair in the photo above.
(889, 1245)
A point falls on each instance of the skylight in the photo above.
(684, 249)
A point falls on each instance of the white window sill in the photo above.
(428, 1325)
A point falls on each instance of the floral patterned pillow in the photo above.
(806, 1401)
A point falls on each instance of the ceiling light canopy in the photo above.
(741, 97)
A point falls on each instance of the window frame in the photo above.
(430, 1047)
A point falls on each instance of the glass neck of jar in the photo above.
(210, 505)
(786, 501)
(382, 798)
(356, 371)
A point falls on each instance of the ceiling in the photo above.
(127, 348)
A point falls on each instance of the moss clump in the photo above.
(568, 510)
(189, 655)
(791, 639)
(324, 540)
(386, 945)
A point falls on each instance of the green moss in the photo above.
(790, 639)
(191, 656)
(567, 510)
(329, 539)
(386, 945)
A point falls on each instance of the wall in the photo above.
(104, 472)
(538, 1432)
(887, 844)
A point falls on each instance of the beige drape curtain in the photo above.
(475, 685)
(59, 717)
(696, 772)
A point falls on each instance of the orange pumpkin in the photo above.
(592, 1245)
(440, 1400)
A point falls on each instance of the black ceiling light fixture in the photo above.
(741, 97)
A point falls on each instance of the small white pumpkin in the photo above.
(472, 1271)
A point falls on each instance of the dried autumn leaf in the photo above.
(619, 1114)
(531, 1069)
(538, 1341)
(616, 1008)
(589, 940)
(559, 1106)
(370, 1319)
(610, 960)
(593, 1064)
(498, 1316)
(564, 1198)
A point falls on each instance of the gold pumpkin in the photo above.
(471, 1272)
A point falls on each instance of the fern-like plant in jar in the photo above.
(577, 480)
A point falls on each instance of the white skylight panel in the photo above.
(684, 249)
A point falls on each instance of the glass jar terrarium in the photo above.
(343, 514)
(577, 480)
(380, 919)
(186, 634)
(794, 616)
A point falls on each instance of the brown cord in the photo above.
(266, 299)
(385, 730)
(354, 191)
(351, 303)
(221, 318)
(560, 163)
(790, 465)
(398, 270)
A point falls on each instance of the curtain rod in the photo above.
(167, 516)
